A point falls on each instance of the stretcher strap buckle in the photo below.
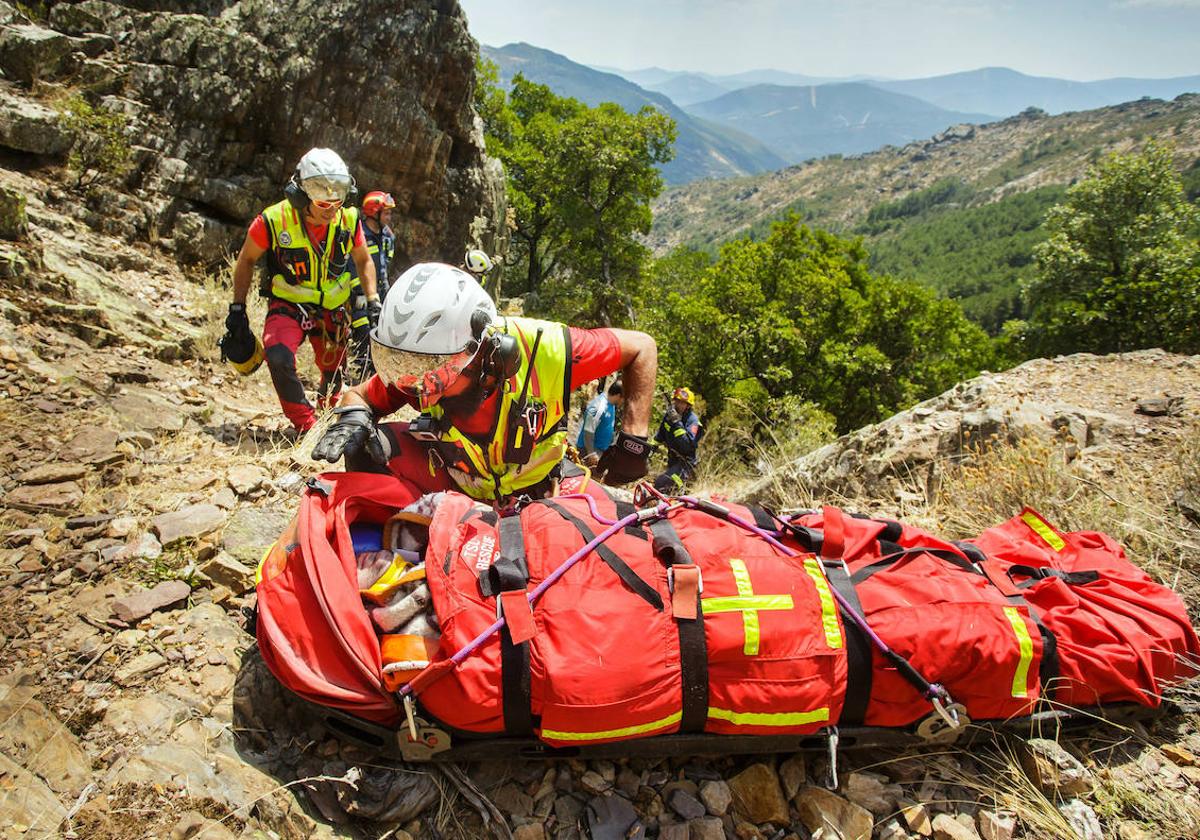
(685, 584)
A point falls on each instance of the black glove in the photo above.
(628, 459)
(354, 430)
(374, 307)
(237, 323)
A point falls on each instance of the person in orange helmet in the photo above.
(376, 216)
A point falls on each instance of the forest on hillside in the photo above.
(831, 331)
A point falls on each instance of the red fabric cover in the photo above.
(949, 623)
(1122, 638)
(603, 659)
(313, 632)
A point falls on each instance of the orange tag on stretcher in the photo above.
(518, 613)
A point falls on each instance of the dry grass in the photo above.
(1134, 504)
(741, 447)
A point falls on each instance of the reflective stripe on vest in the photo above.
(305, 277)
(481, 470)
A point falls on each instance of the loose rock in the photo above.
(191, 522)
(135, 607)
(996, 825)
(758, 796)
(716, 797)
(822, 810)
(1053, 769)
(228, 572)
(1082, 819)
(685, 805)
(138, 668)
(946, 827)
(53, 473)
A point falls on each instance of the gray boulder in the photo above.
(239, 92)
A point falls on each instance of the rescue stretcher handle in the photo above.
(439, 669)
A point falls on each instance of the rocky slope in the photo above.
(997, 159)
(222, 98)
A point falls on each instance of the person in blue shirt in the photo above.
(599, 423)
(381, 245)
(680, 432)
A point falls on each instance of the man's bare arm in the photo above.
(366, 270)
(639, 368)
(243, 270)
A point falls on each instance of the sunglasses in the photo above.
(326, 205)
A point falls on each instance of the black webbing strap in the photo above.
(859, 671)
(693, 651)
(627, 575)
(509, 572)
(810, 539)
(890, 558)
(514, 659)
(633, 529)
(763, 519)
(1039, 573)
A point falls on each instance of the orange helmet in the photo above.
(375, 202)
(684, 394)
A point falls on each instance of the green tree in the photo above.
(1121, 267)
(580, 182)
(800, 315)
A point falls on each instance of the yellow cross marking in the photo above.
(748, 604)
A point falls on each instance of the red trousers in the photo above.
(286, 328)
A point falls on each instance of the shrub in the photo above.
(101, 152)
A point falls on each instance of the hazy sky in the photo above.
(1076, 39)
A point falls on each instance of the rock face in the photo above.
(1089, 403)
(222, 98)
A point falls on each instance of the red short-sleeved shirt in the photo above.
(594, 353)
(258, 233)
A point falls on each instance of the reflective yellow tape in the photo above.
(829, 617)
(1021, 675)
(1043, 530)
(735, 603)
(748, 604)
(623, 732)
(741, 577)
(769, 718)
(680, 433)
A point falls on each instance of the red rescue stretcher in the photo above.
(587, 626)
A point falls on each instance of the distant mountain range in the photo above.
(849, 118)
(702, 149)
(761, 120)
(1004, 92)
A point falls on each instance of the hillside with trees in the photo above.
(960, 213)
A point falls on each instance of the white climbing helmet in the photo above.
(429, 329)
(477, 262)
(323, 175)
